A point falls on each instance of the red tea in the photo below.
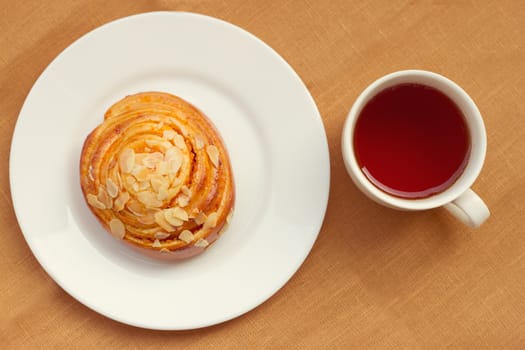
(411, 141)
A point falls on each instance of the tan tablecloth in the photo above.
(376, 278)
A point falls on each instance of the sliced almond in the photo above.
(229, 217)
(152, 143)
(129, 181)
(211, 221)
(163, 192)
(156, 244)
(201, 243)
(148, 219)
(213, 154)
(161, 221)
(183, 201)
(149, 199)
(179, 213)
(127, 160)
(175, 182)
(165, 251)
(162, 168)
(160, 125)
(144, 185)
(185, 189)
(135, 208)
(104, 198)
(162, 235)
(148, 162)
(90, 173)
(172, 153)
(186, 236)
(171, 218)
(117, 228)
(174, 166)
(139, 157)
(155, 157)
(112, 188)
(121, 200)
(178, 140)
(172, 192)
(141, 173)
(174, 221)
(193, 214)
(199, 142)
(200, 218)
(119, 180)
(157, 181)
(94, 202)
(174, 160)
(168, 135)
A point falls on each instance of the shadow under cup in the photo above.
(472, 119)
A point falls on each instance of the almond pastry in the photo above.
(157, 175)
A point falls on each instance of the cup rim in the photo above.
(476, 158)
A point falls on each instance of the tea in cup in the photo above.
(415, 140)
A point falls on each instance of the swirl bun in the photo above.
(157, 175)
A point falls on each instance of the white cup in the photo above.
(458, 199)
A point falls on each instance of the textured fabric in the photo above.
(376, 278)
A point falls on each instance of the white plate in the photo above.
(270, 125)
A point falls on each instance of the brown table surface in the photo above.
(376, 278)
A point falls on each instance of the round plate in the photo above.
(270, 125)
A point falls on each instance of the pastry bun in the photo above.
(157, 175)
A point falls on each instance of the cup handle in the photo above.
(469, 208)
